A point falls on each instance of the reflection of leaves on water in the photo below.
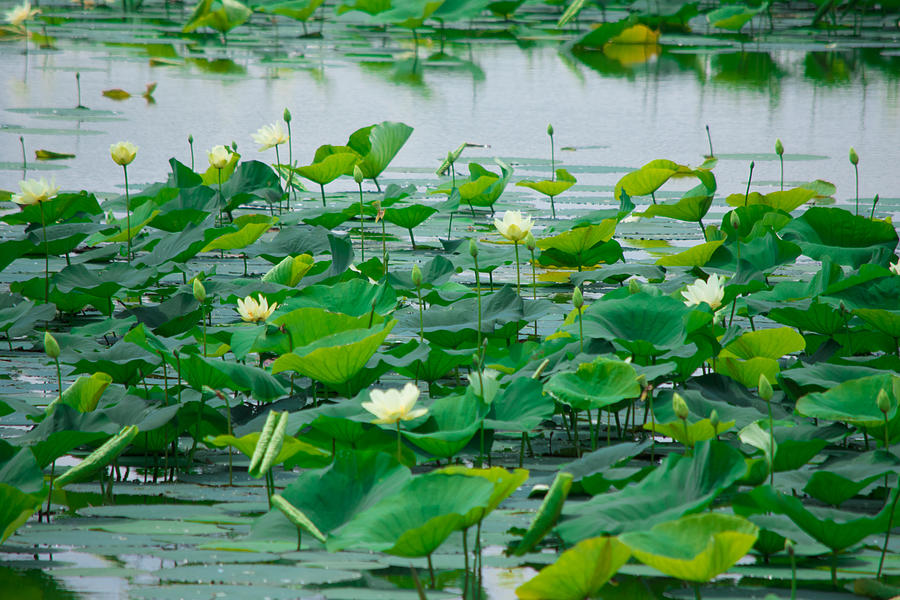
(219, 66)
(749, 69)
(33, 583)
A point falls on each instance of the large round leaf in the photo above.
(579, 572)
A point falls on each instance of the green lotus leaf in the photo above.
(329, 168)
(483, 187)
(60, 443)
(681, 485)
(18, 316)
(84, 394)
(644, 181)
(597, 470)
(696, 432)
(409, 217)
(139, 219)
(371, 7)
(787, 200)
(504, 482)
(695, 256)
(520, 406)
(61, 207)
(840, 478)
(123, 362)
(563, 181)
(853, 402)
(245, 182)
(886, 321)
(99, 458)
(290, 271)
(596, 384)
(221, 15)
(734, 16)
(15, 509)
(644, 323)
(377, 145)
(579, 572)
(547, 513)
(19, 467)
(200, 372)
(291, 448)
(409, 14)
(757, 353)
(840, 235)
(579, 240)
(416, 520)
(300, 10)
(306, 325)
(336, 358)
(355, 297)
(250, 228)
(693, 548)
(452, 421)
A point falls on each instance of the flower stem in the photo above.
(291, 165)
(399, 443)
(421, 315)
(518, 283)
(362, 231)
(533, 288)
(46, 257)
(478, 297)
(278, 172)
(771, 445)
(127, 213)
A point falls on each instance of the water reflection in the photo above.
(33, 584)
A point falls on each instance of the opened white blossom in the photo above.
(514, 225)
(895, 267)
(35, 191)
(123, 153)
(711, 291)
(393, 405)
(253, 311)
(270, 136)
(219, 157)
(21, 13)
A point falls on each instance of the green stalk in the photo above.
(127, 212)
(749, 179)
(478, 296)
(771, 444)
(781, 158)
(322, 189)
(421, 314)
(278, 171)
(221, 201)
(362, 235)
(291, 165)
(518, 281)
(887, 535)
(856, 172)
(46, 259)
(580, 331)
(399, 443)
(534, 288)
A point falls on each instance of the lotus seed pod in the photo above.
(765, 388)
(473, 248)
(577, 298)
(854, 157)
(416, 276)
(358, 175)
(680, 407)
(550, 130)
(287, 116)
(884, 403)
(530, 242)
(51, 346)
(199, 291)
(779, 147)
(735, 220)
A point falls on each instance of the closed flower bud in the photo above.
(530, 242)
(123, 153)
(883, 402)
(199, 291)
(358, 175)
(416, 276)
(680, 407)
(473, 248)
(779, 148)
(450, 158)
(577, 298)
(550, 130)
(287, 116)
(854, 157)
(765, 388)
(51, 346)
(714, 419)
(634, 286)
(735, 220)
(190, 138)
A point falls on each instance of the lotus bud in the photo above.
(530, 242)
(358, 176)
(473, 248)
(287, 116)
(714, 420)
(854, 157)
(51, 346)
(577, 298)
(680, 407)
(765, 388)
(883, 402)
(416, 276)
(550, 130)
(735, 220)
(190, 138)
(779, 147)
(450, 158)
(199, 291)
(634, 286)
(233, 146)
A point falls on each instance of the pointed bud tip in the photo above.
(51, 346)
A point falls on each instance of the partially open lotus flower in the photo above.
(393, 405)
(219, 157)
(711, 291)
(269, 136)
(514, 225)
(253, 311)
(35, 191)
(21, 13)
(123, 153)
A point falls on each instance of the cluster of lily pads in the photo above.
(705, 408)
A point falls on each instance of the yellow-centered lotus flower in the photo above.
(123, 153)
(253, 311)
(270, 136)
(219, 157)
(711, 291)
(21, 13)
(393, 405)
(35, 191)
(514, 225)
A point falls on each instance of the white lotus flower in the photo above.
(270, 136)
(21, 13)
(219, 157)
(123, 153)
(514, 225)
(393, 405)
(253, 311)
(711, 291)
(35, 191)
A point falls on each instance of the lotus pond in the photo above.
(352, 321)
